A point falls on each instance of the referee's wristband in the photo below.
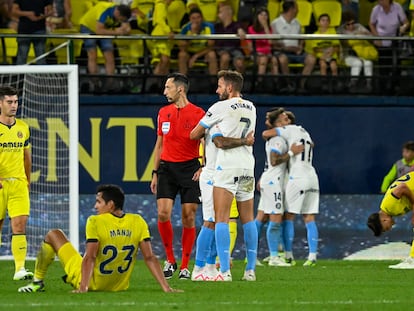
(290, 153)
(154, 172)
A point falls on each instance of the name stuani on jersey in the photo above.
(241, 105)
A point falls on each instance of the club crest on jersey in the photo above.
(165, 127)
(19, 134)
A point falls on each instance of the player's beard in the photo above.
(224, 95)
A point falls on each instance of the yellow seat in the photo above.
(331, 7)
(130, 51)
(304, 15)
(9, 50)
(273, 6)
(11, 47)
(61, 54)
(79, 8)
(402, 2)
(364, 11)
(235, 4)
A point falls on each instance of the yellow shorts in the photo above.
(159, 47)
(234, 213)
(14, 197)
(71, 262)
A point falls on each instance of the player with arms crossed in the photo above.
(112, 241)
(15, 168)
(302, 190)
(398, 200)
(205, 265)
(234, 169)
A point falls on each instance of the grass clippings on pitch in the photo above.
(331, 285)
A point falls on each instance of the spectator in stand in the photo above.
(142, 11)
(166, 22)
(351, 6)
(229, 50)
(193, 50)
(62, 14)
(287, 24)
(262, 47)
(326, 50)
(387, 19)
(351, 57)
(7, 19)
(105, 18)
(32, 21)
(401, 167)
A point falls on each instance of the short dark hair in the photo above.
(180, 79)
(324, 15)
(374, 223)
(7, 90)
(124, 10)
(348, 16)
(233, 77)
(195, 10)
(409, 145)
(113, 193)
(287, 5)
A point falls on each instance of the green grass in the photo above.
(331, 285)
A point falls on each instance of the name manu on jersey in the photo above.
(120, 232)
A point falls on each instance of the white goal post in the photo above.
(49, 103)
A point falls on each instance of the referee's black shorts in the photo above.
(177, 177)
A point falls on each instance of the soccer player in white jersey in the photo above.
(205, 258)
(273, 181)
(234, 169)
(302, 190)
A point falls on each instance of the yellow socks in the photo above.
(19, 250)
(233, 234)
(44, 258)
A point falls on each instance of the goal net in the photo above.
(48, 103)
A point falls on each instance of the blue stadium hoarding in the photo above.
(356, 140)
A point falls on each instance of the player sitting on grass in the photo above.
(112, 241)
(398, 200)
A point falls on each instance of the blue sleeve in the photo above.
(105, 14)
(185, 29)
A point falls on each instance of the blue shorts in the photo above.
(295, 58)
(90, 44)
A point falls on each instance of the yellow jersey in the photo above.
(325, 43)
(102, 12)
(394, 206)
(13, 141)
(118, 238)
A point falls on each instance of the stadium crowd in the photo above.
(335, 66)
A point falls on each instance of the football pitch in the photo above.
(331, 285)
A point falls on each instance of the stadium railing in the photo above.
(135, 74)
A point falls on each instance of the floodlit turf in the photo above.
(331, 285)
